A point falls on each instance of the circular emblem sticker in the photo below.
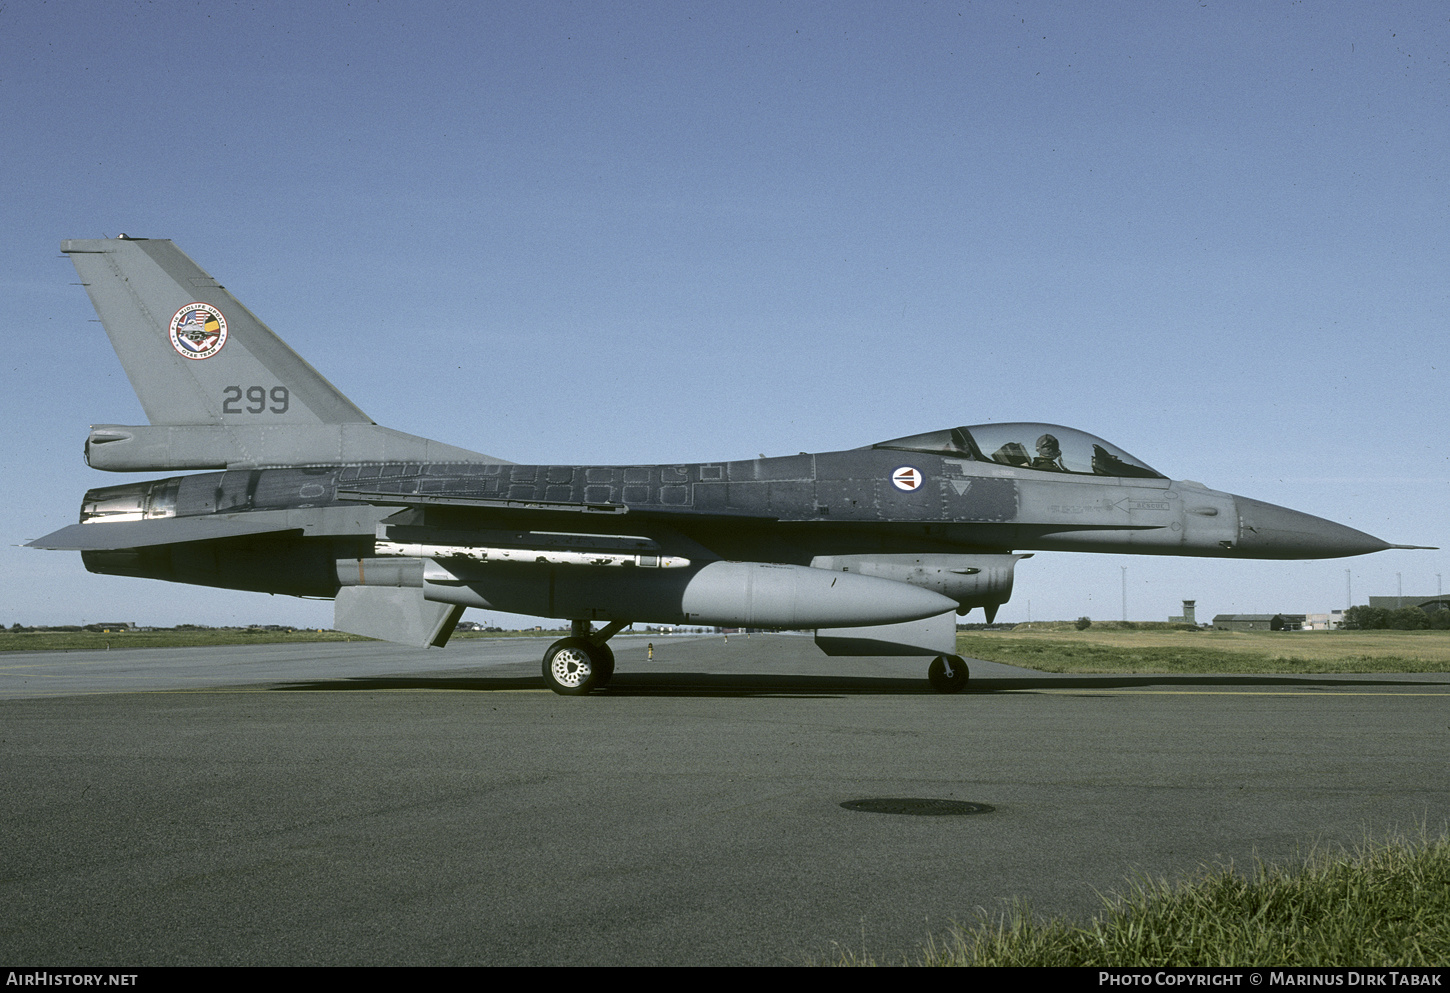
(906, 478)
(198, 331)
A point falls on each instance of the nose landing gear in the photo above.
(948, 674)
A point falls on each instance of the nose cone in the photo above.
(1270, 532)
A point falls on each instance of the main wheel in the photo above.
(572, 666)
(948, 674)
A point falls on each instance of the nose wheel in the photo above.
(948, 674)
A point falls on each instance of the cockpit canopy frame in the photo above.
(1028, 445)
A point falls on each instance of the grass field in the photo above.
(1165, 650)
(1053, 647)
(1383, 904)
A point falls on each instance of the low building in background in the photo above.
(1332, 621)
(1259, 622)
(1425, 603)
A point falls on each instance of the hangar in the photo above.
(1259, 622)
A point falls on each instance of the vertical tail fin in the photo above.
(193, 353)
(219, 388)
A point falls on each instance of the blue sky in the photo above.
(1217, 235)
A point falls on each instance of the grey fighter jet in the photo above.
(878, 548)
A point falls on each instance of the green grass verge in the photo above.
(1189, 652)
(1380, 905)
(1383, 904)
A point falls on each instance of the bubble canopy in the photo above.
(1044, 447)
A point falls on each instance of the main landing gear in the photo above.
(583, 661)
(948, 674)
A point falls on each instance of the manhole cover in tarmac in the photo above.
(918, 807)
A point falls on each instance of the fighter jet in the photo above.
(879, 548)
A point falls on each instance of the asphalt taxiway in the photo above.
(365, 804)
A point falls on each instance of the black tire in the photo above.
(948, 674)
(571, 666)
(603, 664)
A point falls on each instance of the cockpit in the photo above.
(1045, 447)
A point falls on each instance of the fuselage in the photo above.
(795, 509)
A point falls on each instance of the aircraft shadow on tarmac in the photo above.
(685, 684)
(691, 684)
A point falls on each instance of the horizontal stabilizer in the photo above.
(162, 531)
(317, 522)
(395, 613)
(928, 636)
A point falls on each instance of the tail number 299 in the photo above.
(257, 398)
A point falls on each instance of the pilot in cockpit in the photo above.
(1049, 455)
